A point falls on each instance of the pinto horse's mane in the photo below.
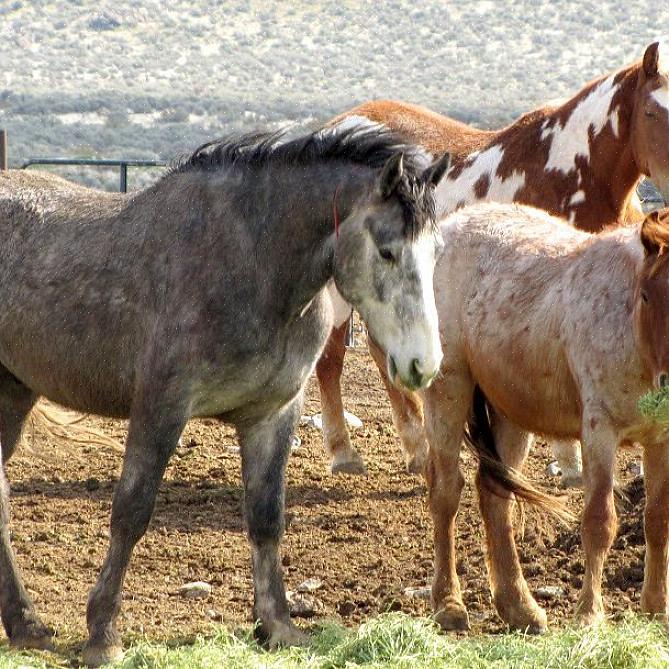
(367, 145)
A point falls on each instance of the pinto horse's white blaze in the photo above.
(661, 96)
(456, 192)
(590, 115)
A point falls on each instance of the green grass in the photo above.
(655, 405)
(396, 641)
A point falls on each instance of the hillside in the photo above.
(137, 79)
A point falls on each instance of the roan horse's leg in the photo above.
(599, 521)
(345, 459)
(654, 597)
(447, 406)
(158, 416)
(511, 596)
(265, 446)
(407, 411)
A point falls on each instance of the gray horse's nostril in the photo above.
(416, 372)
(392, 368)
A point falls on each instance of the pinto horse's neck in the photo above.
(575, 161)
(591, 154)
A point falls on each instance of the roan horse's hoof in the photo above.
(96, 656)
(416, 463)
(353, 464)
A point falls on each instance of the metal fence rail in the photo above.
(121, 164)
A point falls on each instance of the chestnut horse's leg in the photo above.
(656, 521)
(447, 406)
(158, 416)
(265, 447)
(599, 521)
(407, 412)
(511, 596)
(345, 458)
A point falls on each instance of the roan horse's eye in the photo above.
(644, 296)
(386, 255)
(650, 114)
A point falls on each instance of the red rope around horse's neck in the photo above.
(335, 213)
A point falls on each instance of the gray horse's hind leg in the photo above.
(23, 627)
(265, 447)
(155, 426)
(16, 402)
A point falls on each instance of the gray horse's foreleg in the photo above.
(154, 430)
(23, 627)
(265, 447)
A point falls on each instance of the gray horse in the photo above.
(205, 295)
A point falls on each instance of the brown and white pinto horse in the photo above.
(562, 331)
(581, 160)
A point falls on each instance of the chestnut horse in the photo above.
(562, 331)
(581, 160)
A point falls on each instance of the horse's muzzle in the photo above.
(414, 378)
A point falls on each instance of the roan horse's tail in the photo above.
(60, 423)
(499, 478)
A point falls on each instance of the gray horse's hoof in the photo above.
(352, 464)
(96, 656)
(34, 635)
(282, 635)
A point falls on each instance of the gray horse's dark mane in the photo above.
(370, 146)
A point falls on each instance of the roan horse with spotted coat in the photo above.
(562, 331)
(581, 160)
(205, 295)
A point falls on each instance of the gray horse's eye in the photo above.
(387, 255)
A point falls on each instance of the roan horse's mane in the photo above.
(367, 145)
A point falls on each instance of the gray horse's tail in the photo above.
(499, 478)
(60, 423)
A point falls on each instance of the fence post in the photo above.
(124, 178)
(3, 149)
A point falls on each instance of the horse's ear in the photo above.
(649, 234)
(651, 60)
(436, 171)
(391, 174)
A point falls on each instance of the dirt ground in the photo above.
(366, 538)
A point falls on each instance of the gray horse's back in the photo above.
(69, 323)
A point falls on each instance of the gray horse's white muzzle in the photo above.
(416, 374)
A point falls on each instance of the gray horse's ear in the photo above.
(390, 175)
(434, 174)
(651, 60)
